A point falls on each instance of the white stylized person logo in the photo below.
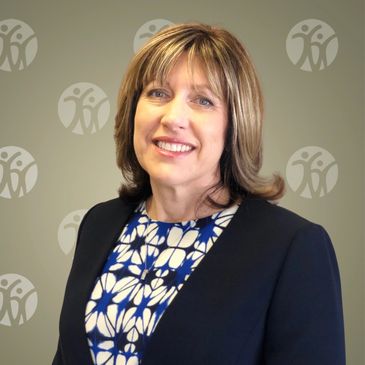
(18, 300)
(83, 108)
(147, 30)
(68, 229)
(18, 46)
(312, 45)
(312, 172)
(18, 172)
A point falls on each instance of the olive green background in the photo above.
(92, 41)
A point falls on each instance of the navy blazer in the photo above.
(267, 293)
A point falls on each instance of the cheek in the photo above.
(144, 121)
(141, 136)
(139, 118)
(217, 134)
(137, 134)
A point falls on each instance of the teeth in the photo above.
(174, 147)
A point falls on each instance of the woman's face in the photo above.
(179, 132)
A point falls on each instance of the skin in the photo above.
(199, 118)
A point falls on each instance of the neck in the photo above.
(178, 204)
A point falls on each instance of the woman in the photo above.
(192, 263)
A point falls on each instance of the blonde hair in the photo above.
(232, 76)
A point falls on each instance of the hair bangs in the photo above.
(205, 54)
(158, 63)
(163, 55)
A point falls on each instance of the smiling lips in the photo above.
(173, 147)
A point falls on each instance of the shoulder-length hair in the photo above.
(231, 74)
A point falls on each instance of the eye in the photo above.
(156, 93)
(205, 101)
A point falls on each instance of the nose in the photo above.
(175, 114)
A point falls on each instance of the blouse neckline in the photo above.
(142, 209)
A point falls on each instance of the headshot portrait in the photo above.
(194, 262)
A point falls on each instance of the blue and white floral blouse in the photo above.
(126, 304)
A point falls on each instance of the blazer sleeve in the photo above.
(305, 318)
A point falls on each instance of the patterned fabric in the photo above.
(124, 309)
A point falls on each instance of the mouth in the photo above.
(173, 147)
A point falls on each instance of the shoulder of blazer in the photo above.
(110, 207)
(267, 227)
(105, 214)
(268, 215)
